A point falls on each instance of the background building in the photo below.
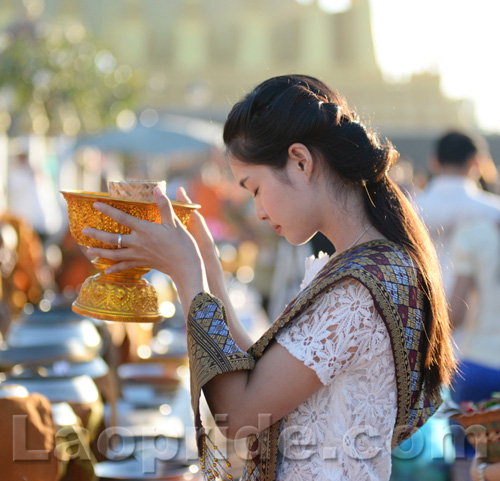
(197, 57)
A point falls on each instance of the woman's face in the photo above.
(282, 199)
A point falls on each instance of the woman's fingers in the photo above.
(106, 237)
(118, 215)
(111, 254)
(149, 245)
(197, 226)
(197, 221)
(182, 196)
(116, 256)
(121, 257)
(121, 266)
(165, 207)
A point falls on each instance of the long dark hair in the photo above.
(298, 108)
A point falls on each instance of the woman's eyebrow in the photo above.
(242, 182)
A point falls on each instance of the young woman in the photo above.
(357, 359)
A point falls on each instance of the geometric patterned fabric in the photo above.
(216, 329)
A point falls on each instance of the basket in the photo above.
(482, 429)
(135, 189)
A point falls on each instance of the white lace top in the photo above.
(344, 430)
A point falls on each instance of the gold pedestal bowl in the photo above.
(123, 296)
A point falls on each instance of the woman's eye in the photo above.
(255, 192)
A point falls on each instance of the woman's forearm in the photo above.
(218, 288)
(214, 274)
(191, 284)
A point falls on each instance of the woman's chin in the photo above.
(296, 241)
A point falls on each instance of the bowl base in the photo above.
(112, 298)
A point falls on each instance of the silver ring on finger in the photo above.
(120, 239)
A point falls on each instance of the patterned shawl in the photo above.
(395, 284)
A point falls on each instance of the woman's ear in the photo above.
(300, 159)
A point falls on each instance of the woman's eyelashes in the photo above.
(255, 192)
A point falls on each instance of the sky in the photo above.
(458, 39)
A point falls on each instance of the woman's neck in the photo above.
(349, 225)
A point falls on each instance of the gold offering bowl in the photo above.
(123, 296)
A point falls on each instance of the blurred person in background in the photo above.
(335, 372)
(32, 197)
(475, 254)
(453, 194)
(25, 274)
(489, 174)
(454, 198)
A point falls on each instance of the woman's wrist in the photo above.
(213, 268)
(190, 282)
(209, 254)
(192, 278)
(188, 293)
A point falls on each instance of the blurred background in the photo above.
(93, 90)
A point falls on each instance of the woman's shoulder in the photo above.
(346, 298)
(339, 329)
(371, 262)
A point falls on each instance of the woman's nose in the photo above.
(260, 212)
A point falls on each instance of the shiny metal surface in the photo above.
(13, 390)
(32, 334)
(27, 356)
(80, 389)
(133, 469)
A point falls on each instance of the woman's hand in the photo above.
(167, 247)
(199, 230)
(201, 234)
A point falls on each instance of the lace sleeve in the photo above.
(336, 330)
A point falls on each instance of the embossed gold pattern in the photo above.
(82, 214)
(123, 296)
